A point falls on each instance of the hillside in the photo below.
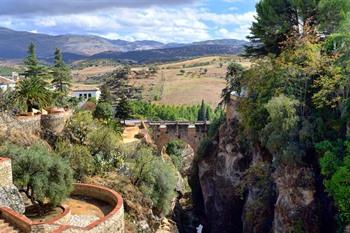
(185, 82)
(13, 45)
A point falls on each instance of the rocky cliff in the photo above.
(242, 190)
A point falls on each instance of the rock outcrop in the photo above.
(242, 190)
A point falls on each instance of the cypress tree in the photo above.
(61, 74)
(202, 112)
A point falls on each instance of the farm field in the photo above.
(177, 83)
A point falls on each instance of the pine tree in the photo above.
(61, 74)
(275, 20)
(120, 87)
(33, 66)
(123, 110)
(106, 96)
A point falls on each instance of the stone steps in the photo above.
(5, 227)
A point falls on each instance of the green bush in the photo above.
(79, 157)
(42, 175)
(174, 149)
(103, 141)
(79, 127)
(156, 178)
(103, 111)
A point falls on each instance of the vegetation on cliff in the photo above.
(294, 102)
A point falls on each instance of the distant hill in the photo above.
(170, 54)
(13, 45)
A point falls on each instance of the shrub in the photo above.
(79, 158)
(174, 149)
(41, 175)
(103, 141)
(103, 111)
(79, 127)
(156, 178)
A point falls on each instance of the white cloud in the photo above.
(153, 23)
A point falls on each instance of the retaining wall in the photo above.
(5, 172)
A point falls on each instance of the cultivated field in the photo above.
(186, 82)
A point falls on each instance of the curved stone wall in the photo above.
(112, 222)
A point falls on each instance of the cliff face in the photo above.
(243, 192)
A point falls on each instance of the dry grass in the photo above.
(185, 82)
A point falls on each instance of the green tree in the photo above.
(202, 112)
(40, 174)
(103, 111)
(123, 110)
(33, 92)
(276, 20)
(333, 14)
(233, 81)
(61, 74)
(106, 95)
(33, 68)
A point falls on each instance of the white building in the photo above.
(7, 84)
(86, 92)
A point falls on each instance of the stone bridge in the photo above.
(163, 132)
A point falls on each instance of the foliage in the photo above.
(79, 127)
(202, 112)
(106, 96)
(32, 92)
(120, 87)
(275, 21)
(103, 141)
(123, 110)
(174, 149)
(233, 81)
(156, 178)
(61, 74)
(279, 135)
(79, 158)
(40, 174)
(103, 111)
(149, 111)
(33, 68)
(335, 167)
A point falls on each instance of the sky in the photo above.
(167, 21)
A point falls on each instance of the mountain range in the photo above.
(13, 45)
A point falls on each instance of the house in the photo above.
(7, 84)
(86, 92)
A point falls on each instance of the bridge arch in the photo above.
(163, 133)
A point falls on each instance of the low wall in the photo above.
(112, 222)
(31, 124)
(6, 172)
(55, 122)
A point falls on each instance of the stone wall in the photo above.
(9, 194)
(5, 172)
(113, 222)
(192, 134)
(55, 122)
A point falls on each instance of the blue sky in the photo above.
(161, 20)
